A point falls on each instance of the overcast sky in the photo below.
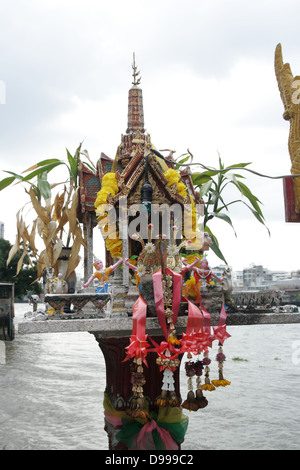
(208, 85)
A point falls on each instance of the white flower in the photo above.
(149, 247)
(172, 250)
(140, 270)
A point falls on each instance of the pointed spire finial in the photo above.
(136, 79)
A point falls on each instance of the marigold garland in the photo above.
(174, 177)
(109, 186)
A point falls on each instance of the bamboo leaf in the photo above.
(73, 167)
(257, 216)
(40, 265)
(205, 188)
(248, 194)
(201, 178)
(32, 237)
(72, 214)
(74, 258)
(183, 160)
(225, 217)
(41, 170)
(51, 232)
(215, 246)
(6, 182)
(239, 165)
(42, 164)
(57, 250)
(57, 208)
(20, 262)
(231, 177)
(13, 251)
(41, 212)
(44, 186)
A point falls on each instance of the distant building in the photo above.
(257, 277)
(219, 270)
(1, 229)
(253, 276)
(237, 280)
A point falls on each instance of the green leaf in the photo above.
(225, 217)
(217, 197)
(257, 216)
(91, 167)
(215, 246)
(231, 177)
(239, 165)
(205, 188)
(6, 182)
(239, 176)
(39, 171)
(73, 167)
(44, 186)
(16, 176)
(201, 178)
(178, 162)
(248, 194)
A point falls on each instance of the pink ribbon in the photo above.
(161, 348)
(220, 332)
(159, 298)
(139, 313)
(195, 319)
(113, 420)
(145, 438)
(206, 317)
(138, 339)
(198, 332)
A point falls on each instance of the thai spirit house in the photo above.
(146, 209)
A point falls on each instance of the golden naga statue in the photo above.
(289, 87)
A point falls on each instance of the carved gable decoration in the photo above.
(132, 178)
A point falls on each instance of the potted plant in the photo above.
(54, 207)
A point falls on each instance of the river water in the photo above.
(51, 393)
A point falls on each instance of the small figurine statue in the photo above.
(33, 300)
(204, 274)
(49, 280)
(188, 267)
(101, 273)
(138, 271)
(59, 285)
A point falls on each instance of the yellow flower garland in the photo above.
(174, 177)
(109, 186)
(220, 383)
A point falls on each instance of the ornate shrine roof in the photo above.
(130, 162)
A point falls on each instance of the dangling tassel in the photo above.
(221, 359)
(207, 385)
(221, 335)
(168, 396)
(200, 398)
(137, 404)
(190, 403)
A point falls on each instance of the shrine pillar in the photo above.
(119, 385)
(89, 248)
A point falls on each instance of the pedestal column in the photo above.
(118, 376)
